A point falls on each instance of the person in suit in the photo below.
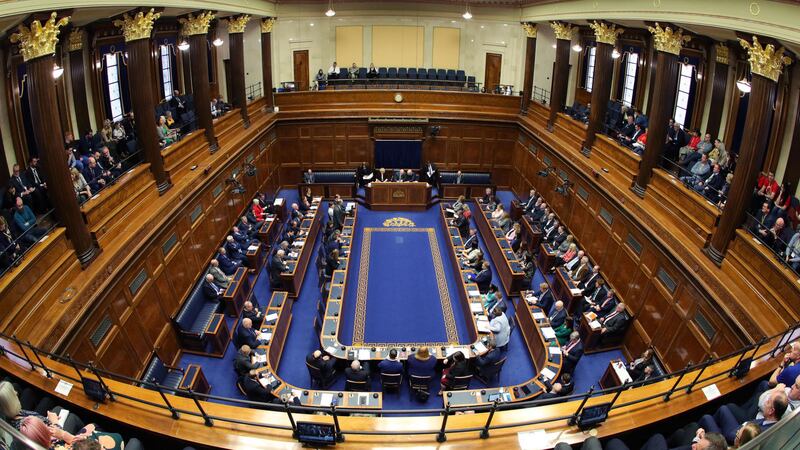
(606, 306)
(240, 237)
(235, 252)
(245, 334)
(220, 278)
(308, 177)
(501, 330)
(252, 313)
(456, 365)
(460, 205)
(338, 214)
(529, 204)
(561, 388)
(489, 198)
(411, 176)
(24, 190)
(276, 267)
(614, 323)
(247, 228)
(210, 290)
(322, 362)
(485, 363)
(334, 243)
(558, 316)
(36, 180)
(459, 179)
(332, 262)
(483, 278)
(357, 373)
(256, 391)
(295, 213)
(637, 366)
(421, 363)
(431, 174)
(390, 365)
(472, 241)
(462, 223)
(243, 363)
(626, 132)
(588, 283)
(583, 268)
(571, 352)
(227, 265)
(543, 298)
(647, 374)
(399, 175)
(712, 186)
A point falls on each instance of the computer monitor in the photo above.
(593, 415)
(316, 433)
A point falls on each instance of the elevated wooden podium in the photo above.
(408, 196)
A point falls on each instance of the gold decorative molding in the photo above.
(193, 25)
(237, 24)
(139, 26)
(399, 222)
(267, 24)
(530, 29)
(564, 31)
(765, 61)
(669, 41)
(606, 33)
(75, 41)
(722, 53)
(39, 40)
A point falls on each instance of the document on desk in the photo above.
(711, 392)
(265, 337)
(363, 354)
(533, 440)
(547, 373)
(271, 317)
(252, 248)
(63, 387)
(298, 243)
(548, 333)
(262, 358)
(479, 347)
(331, 350)
(476, 307)
(269, 219)
(555, 350)
(325, 399)
(539, 316)
(278, 201)
(483, 326)
(363, 399)
(474, 292)
(575, 291)
(594, 325)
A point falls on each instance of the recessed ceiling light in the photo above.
(481, 27)
(311, 24)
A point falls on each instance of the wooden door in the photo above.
(226, 64)
(301, 69)
(492, 77)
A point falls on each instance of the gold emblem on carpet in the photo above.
(399, 222)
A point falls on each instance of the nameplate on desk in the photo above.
(298, 243)
(711, 392)
(548, 333)
(252, 248)
(325, 399)
(473, 292)
(331, 350)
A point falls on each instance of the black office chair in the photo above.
(317, 325)
(460, 383)
(358, 386)
(420, 386)
(391, 381)
(316, 377)
(488, 373)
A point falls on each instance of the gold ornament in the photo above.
(267, 24)
(722, 53)
(606, 33)
(237, 24)
(193, 25)
(38, 40)
(564, 31)
(530, 29)
(75, 41)
(399, 222)
(765, 61)
(669, 41)
(140, 26)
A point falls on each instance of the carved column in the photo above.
(266, 60)
(564, 34)
(606, 38)
(530, 60)
(77, 78)
(236, 26)
(37, 45)
(195, 28)
(137, 30)
(718, 87)
(668, 47)
(766, 65)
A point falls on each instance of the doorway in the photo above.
(491, 79)
(301, 69)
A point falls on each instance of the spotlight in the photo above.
(57, 71)
(330, 12)
(577, 48)
(183, 46)
(744, 85)
(217, 42)
(616, 54)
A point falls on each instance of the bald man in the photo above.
(357, 373)
(246, 335)
(210, 289)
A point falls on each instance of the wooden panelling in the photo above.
(180, 156)
(688, 210)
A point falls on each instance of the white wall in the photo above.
(545, 56)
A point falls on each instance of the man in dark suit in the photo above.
(338, 214)
(713, 184)
(472, 241)
(399, 175)
(561, 388)
(234, 250)
(572, 352)
(540, 213)
(489, 198)
(254, 390)
(177, 103)
(607, 305)
(411, 176)
(252, 313)
(558, 316)
(35, 179)
(560, 237)
(321, 362)
(462, 223)
(308, 177)
(587, 283)
(240, 237)
(544, 298)
(484, 364)
(459, 178)
(227, 265)
(276, 267)
(25, 190)
(483, 278)
(358, 374)
(210, 290)
(528, 206)
(626, 131)
(614, 323)
(246, 335)
(243, 363)
(246, 227)
(390, 365)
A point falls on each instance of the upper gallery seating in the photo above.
(411, 78)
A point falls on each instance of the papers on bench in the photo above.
(575, 291)
(547, 373)
(472, 292)
(363, 354)
(264, 336)
(252, 248)
(331, 350)
(267, 380)
(483, 326)
(476, 307)
(539, 316)
(555, 350)
(449, 351)
(278, 201)
(260, 358)
(479, 347)
(298, 243)
(325, 399)
(271, 318)
(595, 324)
(63, 387)
(548, 333)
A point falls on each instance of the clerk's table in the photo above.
(408, 196)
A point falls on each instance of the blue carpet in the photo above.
(302, 338)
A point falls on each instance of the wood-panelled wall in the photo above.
(670, 312)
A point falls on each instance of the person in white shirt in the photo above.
(333, 71)
(500, 327)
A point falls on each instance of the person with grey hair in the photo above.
(357, 374)
(219, 277)
(572, 352)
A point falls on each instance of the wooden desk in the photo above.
(219, 336)
(279, 208)
(546, 256)
(328, 190)
(508, 267)
(467, 190)
(398, 196)
(292, 280)
(566, 290)
(589, 336)
(270, 230)
(194, 379)
(531, 233)
(237, 292)
(256, 256)
(616, 374)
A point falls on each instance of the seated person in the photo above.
(460, 205)
(381, 175)
(543, 298)
(514, 236)
(421, 363)
(714, 180)
(505, 222)
(243, 363)
(588, 282)
(581, 270)
(322, 362)
(614, 323)
(241, 238)
(455, 366)
(792, 252)
(637, 366)
(641, 141)
(486, 362)
(648, 374)
(276, 267)
(462, 223)
(82, 189)
(390, 365)
(252, 313)
(333, 72)
(498, 212)
(411, 176)
(258, 210)
(694, 141)
(9, 249)
(483, 278)
(246, 334)
(227, 265)
(25, 220)
(625, 135)
(606, 305)
(565, 257)
(529, 204)
(372, 72)
(558, 316)
(165, 135)
(724, 422)
(359, 374)
(94, 175)
(489, 198)
(571, 353)
(234, 250)
(699, 171)
(561, 388)
(254, 390)
(471, 242)
(473, 259)
(210, 290)
(308, 177)
(491, 298)
(332, 263)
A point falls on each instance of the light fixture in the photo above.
(330, 12)
(183, 46)
(577, 48)
(744, 85)
(555, 46)
(217, 42)
(616, 54)
(57, 71)
(467, 14)
(311, 24)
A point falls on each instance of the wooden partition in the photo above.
(181, 155)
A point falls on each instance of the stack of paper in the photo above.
(548, 333)
(271, 318)
(555, 350)
(269, 219)
(539, 316)
(476, 307)
(575, 291)
(261, 358)
(474, 293)
(483, 326)
(325, 399)
(595, 324)
(265, 336)
(479, 347)
(252, 248)
(363, 354)
(547, 373)
(298, 243)
(331, 350)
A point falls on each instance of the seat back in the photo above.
(391, 380)
(451, 75)
(392, 72)
(402, 72)
(314, 373)
(461, 75)
(412, 72)
(335, 176)
(156, 371)
(489, 372)
(461, 383)
(190, 309)
(441, 74)
(382, 72)
(362, 73)
(352, 385)
(422, 73)
(419, 382)
(431, 74)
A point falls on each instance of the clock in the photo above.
(398, 98)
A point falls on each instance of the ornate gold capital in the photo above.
(669, 41)
(139, 26)
(237, 24)
(75, 41)
(765, 61)
(38, 40)
(564, 31)
(606, 33)
(193, 25)
(722, 53)
(530, 29)
(267, 24)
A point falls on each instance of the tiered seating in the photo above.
(407, 77)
